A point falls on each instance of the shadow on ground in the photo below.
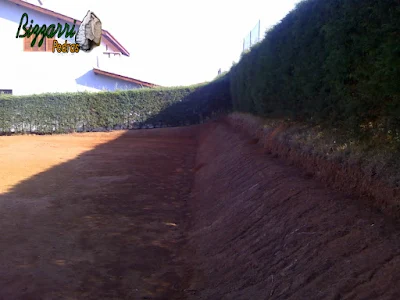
(121, 222)
(109, 224)
(264, 229)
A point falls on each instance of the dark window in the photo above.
(9, 92)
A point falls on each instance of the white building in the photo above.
(28, 70)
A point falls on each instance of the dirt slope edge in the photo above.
(263, 230)
(347, 178)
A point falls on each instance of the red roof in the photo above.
(105, 33)
(121, 77)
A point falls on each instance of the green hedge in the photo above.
(329, 61)
(66, 112)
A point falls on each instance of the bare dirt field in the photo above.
(198, 212)
(95, 215)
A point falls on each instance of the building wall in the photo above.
(38, 72)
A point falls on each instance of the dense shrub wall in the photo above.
(47, 113)
(329, 61)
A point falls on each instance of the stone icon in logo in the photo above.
(89, 33)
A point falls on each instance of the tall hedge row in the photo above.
(66, 112)
(331, 61)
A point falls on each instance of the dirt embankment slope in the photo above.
(371, 175)
(263, 229)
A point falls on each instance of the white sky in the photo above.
(179, 42)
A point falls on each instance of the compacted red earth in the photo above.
(199, 212)
(95, 215)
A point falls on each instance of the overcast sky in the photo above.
(179, 42)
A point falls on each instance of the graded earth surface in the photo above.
(198, 212)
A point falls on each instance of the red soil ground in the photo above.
(95, 216)
(181, 213)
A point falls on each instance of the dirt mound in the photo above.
(263, 229)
